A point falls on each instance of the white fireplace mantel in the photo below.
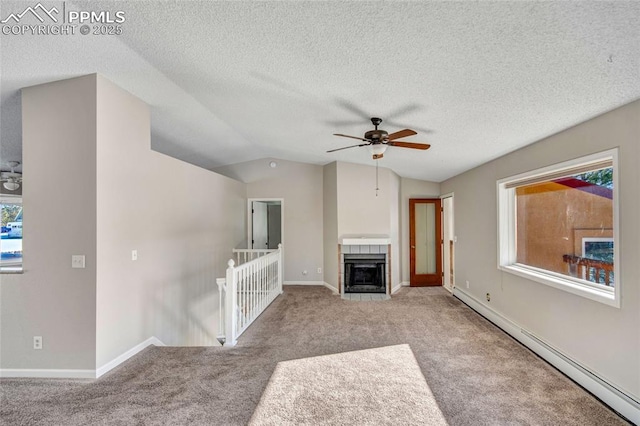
(365, 241)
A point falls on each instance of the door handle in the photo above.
(413, 247)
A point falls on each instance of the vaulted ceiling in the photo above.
(229, 82)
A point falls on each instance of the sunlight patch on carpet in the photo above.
(372, 386)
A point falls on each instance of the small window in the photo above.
(558, 226)
(11, 235)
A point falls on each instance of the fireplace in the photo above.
(365, 273)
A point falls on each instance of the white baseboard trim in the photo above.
(405, 284)
(41, 373)
(395, 289)
(330, 287)
(619, 400)
(322, 283)
(128, 354)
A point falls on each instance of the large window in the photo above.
(558, 226)
(11, 234)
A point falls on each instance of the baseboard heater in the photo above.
(623, 403)
(583, 369)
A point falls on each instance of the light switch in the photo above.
(77, 261)
(134, 254)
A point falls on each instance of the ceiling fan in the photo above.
(11, 180)
(379, 140)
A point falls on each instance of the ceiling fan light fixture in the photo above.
(11, 186)
(378, 148)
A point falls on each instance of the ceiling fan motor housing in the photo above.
(376, 135)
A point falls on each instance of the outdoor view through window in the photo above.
(11, 236)
(565, 225)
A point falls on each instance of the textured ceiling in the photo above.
(229, 82)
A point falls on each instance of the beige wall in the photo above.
(360, 211)
(351, 208)
(119, 196)
(330, 224)
(182, 220)
(50, 299)
(301, 187)
(394, 228)
(601, 337)
(411, 188)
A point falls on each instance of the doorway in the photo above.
(425, 239)
(265, 224)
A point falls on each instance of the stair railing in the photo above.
(246, 291)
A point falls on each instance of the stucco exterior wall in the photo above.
(552, 220)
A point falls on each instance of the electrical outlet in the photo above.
(319, 270)
(488, 297)
(37, 342)
(134, 254)
(77, 261)
(467, 283)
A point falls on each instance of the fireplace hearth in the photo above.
(365, 273)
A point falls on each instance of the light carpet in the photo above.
(374, 386)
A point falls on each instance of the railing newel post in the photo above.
(231, 303)
(222, 294)
(280, 268)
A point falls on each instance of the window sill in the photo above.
(607, 296)
(11, 270)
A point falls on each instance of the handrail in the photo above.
(591, 268)
(247, 255)
(249, 289)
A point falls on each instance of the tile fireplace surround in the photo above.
(365, 245)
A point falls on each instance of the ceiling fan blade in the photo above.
(394, 123)
(352, 137)
(401, 134)
(412, 145)
(351, 107)
(398, 112)
(342, 123)
(347, 147)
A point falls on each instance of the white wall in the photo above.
(300, 185)
(602, 338)
(118, 196)
(50, 299)
(411, 188)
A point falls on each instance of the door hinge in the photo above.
(253, 211)
(443, 274)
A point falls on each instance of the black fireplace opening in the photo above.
(365, 273)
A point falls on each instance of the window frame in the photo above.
(507, 232)
(17, 200)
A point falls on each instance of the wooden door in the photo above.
(425, 239)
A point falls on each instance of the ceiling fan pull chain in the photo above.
(377, 177)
